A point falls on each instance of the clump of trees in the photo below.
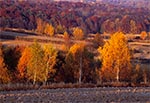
(78, 64)
(44, 27)
(36, 64)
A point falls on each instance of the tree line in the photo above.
(38, 63)
(64, 16)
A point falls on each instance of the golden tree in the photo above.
(115, 58)
(4, 76)
(43, 27)
(49, 29)
(78, 33)
(50, 55)
(35, 66)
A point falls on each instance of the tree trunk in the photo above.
(80, 71)
(34, 79)
(145, 77)
(118, 70)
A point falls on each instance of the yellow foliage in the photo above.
(78, 33)
(43, 27)
(50, 55)
(115, 58)
(49, 29)
(77, 48)
(66, 35)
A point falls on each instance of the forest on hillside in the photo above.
(64, 16)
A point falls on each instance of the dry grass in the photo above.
(25, 86)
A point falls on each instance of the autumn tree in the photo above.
(4, 76)
(78, 64)
(143, 35)
(49, 29)
(78, 33)
(35, 64)
(70, 69)
(115, 58)
(44, 28)
(40, 25)
(133, 27)
(77, 52)
(50, 55)
(23, 62)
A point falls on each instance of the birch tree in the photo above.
(115, 58)
(35, 64)
(50, 55)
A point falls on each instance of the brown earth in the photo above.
(78, 95)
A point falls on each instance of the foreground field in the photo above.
(82, 95)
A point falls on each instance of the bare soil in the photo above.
(78, 95)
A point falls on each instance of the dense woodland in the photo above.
(64, 16)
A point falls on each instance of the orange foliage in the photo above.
(22, 65)
(143, 35)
